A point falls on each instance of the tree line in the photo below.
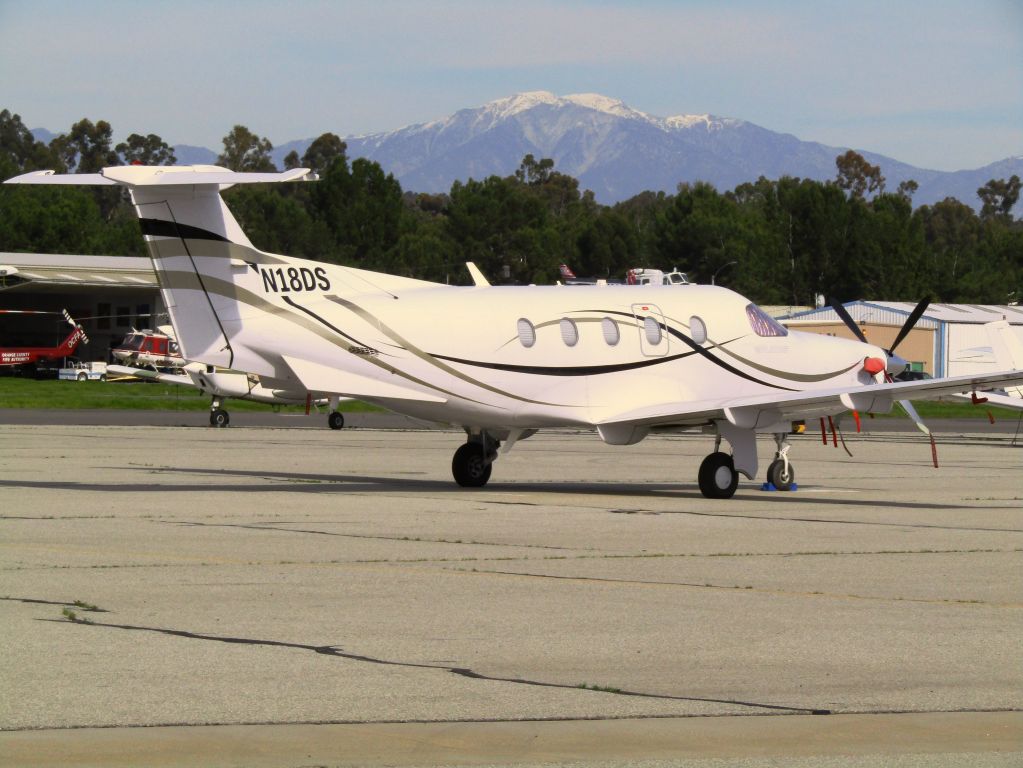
(778, 241)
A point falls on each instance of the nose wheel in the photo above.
(781, 474)
(718, 478)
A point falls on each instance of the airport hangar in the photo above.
(110, 295)
(948, 340)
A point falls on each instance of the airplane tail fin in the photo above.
(193, 239)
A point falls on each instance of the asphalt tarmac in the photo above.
(259, 596)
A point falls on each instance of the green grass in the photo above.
(935, 409)
(123, 395)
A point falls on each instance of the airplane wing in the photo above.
(993, 398)
(763, 411)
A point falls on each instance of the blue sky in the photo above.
(936, 84)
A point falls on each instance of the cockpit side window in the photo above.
(763, 324)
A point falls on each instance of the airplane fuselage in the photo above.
(537, 356)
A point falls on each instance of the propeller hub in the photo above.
(873, 365)
(896, 364)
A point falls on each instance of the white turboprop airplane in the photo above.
(1007, 351)
(502, 362)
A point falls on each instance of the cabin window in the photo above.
(763, 324)
(527, 333)
(697, 329)
(652, 328)
(569, 332)
(611, 333)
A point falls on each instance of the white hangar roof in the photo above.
(41, 271)
(896, 312)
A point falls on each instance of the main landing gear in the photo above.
(473, 461)
(718, 478)
(719, 473)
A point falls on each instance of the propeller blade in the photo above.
(843, 313)
(907, 326)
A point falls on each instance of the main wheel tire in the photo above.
(718, 478)
(780, 476)
(219, 418)
(335, 420)
(470, 467)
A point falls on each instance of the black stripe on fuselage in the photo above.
(578, 370)
(164, 228)
(707, 355)
(334, 328)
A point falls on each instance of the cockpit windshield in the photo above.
(132, 342)
(763, 324)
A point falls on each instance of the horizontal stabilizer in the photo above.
(163, 176)
(322, 378)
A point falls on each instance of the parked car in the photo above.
(913, 376)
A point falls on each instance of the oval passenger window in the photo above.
(611, 333)
(698, 329)
(653, 331)
(527, 333)
(569, 333)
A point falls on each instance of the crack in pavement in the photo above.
(73, 604)
(338, 652)
(737, 588)
(409, 539)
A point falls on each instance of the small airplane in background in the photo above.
(224, 385)
(155, 356)
(499, 361)
(1007, 352)
(36, 355)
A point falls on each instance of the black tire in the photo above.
(470, 467)
(220, 418)
(82, 377)
(780, 478)
(718, 478)
(335, 420)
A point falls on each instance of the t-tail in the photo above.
(195, 243)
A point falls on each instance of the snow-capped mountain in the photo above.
(614, 150)
(617, 151)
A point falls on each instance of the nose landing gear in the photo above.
(781, 473)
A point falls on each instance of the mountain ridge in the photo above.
(615, 151)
